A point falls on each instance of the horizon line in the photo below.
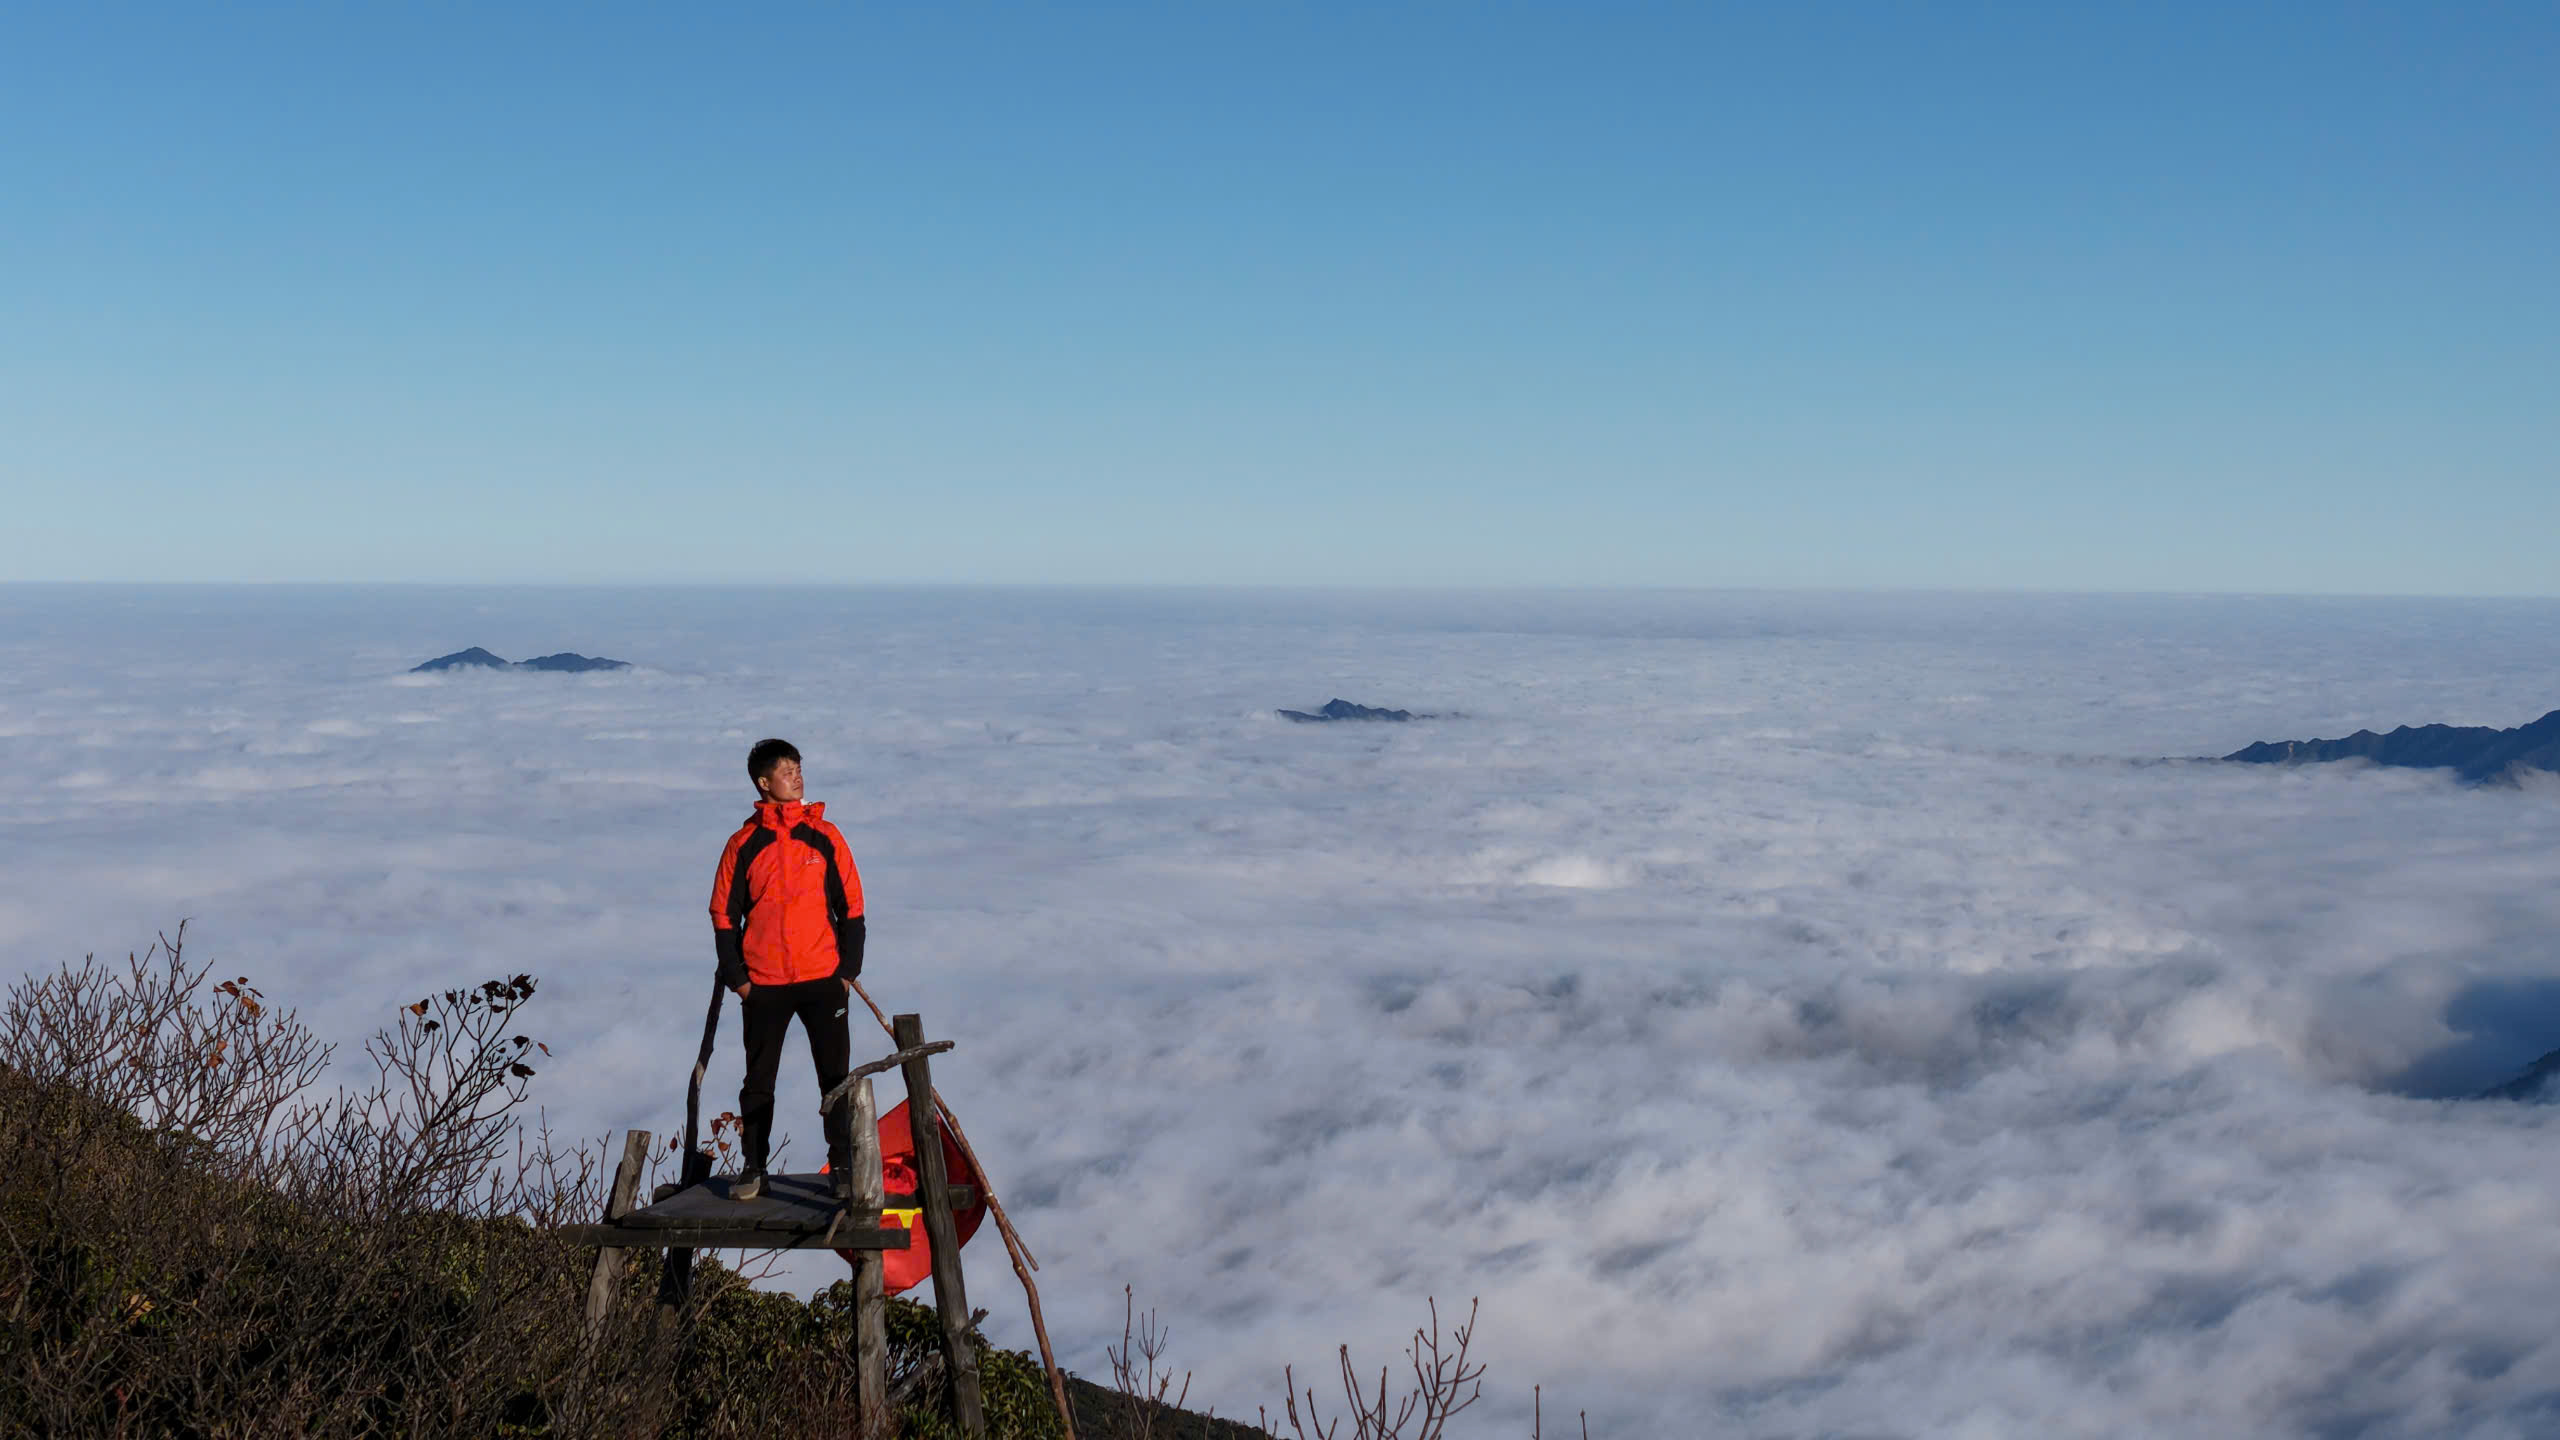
(1279, 587)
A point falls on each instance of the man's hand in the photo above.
(743, 987)
(848, 986)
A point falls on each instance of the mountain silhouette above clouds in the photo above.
(1340, 709)
(2476, 752)
(476, 658)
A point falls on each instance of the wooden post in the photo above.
(1023, 1260)
(872, 1420)
(675, 1276)
(959, 1359)
(607, 1280)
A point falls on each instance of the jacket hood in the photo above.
(775, 815)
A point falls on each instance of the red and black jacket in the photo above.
(787, 903)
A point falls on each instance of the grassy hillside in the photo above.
(191, 1245)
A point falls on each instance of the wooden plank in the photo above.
(872, 1420)
(949, 1297)
(844, 1087)
(808, 1199)
(850, 1236)
(606, 1282)
(789, 1200)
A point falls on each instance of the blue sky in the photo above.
(2189, 298)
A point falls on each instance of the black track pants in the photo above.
(764, 1017)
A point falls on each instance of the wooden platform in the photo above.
(802, 1212)
(796, 1212)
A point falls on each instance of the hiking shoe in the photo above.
(748, 1186)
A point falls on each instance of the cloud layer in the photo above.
(1792, 1014)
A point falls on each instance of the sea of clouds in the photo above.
(1792, 1015)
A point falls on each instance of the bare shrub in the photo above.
(213, 1063)
(1443, 1384)
(427, 1132)
(189, 1245)
(1538, 1415)
(192, 1245)
(1143, 1384)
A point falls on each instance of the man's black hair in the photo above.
(768, 754)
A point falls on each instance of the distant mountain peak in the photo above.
(1341, 709)
(473, 658)
(2476, 752)
(573, 662)
(2533, 1084)
(476, 658)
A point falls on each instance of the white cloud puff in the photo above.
(1793, 1015)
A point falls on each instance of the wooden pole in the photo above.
(1023, 1261)
(1021, 1253)
(950, 1297)
(675, 1277)
(607, 1280)
(872, 1420)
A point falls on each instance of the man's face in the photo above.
(783, 784)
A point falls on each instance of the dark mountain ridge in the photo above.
(1341, 709)
(476, 658)
(2533, 1084)
(2475, 752)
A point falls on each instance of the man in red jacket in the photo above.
(786, 916)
